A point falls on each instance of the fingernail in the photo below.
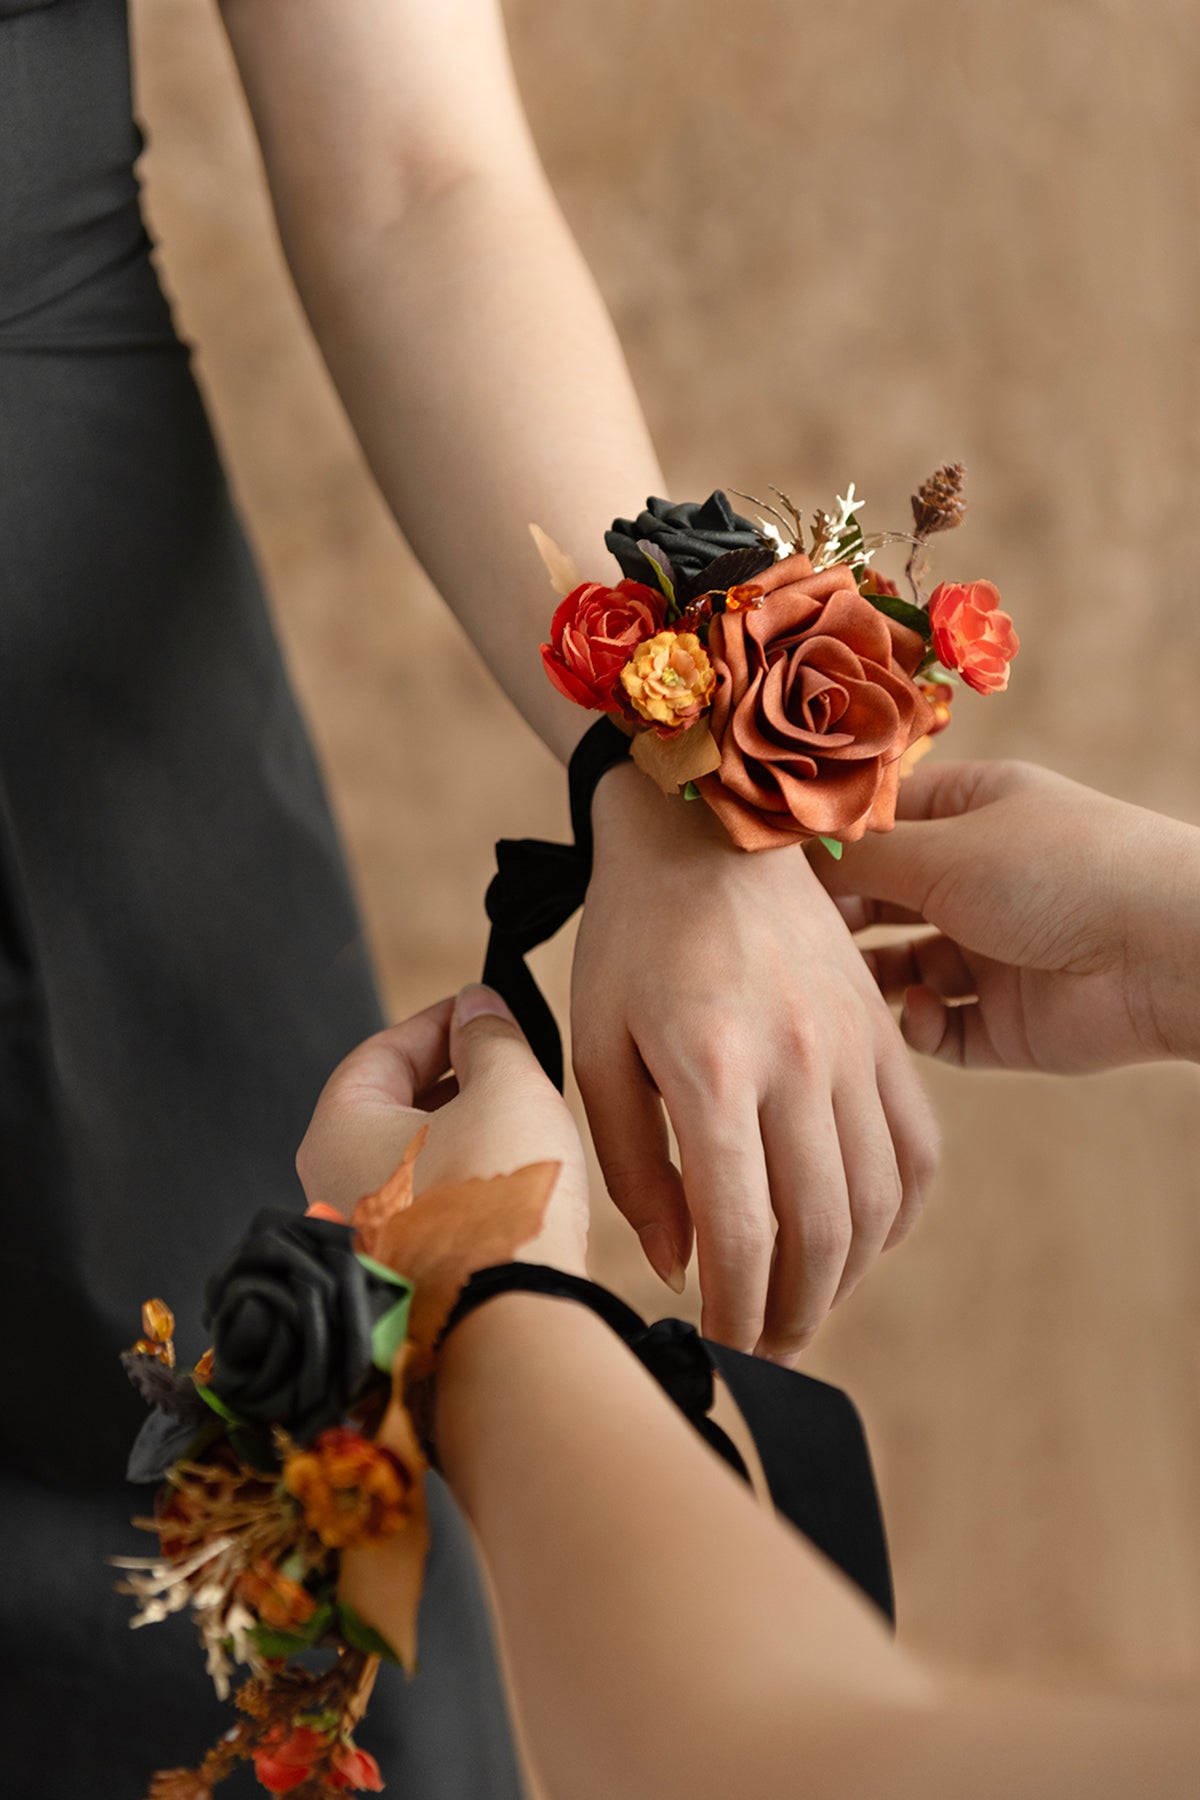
(475, 1000)
(660, 1254)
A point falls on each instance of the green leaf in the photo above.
(269, 1640)
(217, 1404)
(691, 791)
(389, 1332)
(833, 847)
(664, 580)
(904, 613)
(361, 1636)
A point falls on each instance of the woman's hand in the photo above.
(727, 983)
(494, 1113)
(1067, 921)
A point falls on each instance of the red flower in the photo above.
(972, 635)
(355, 1768)
(595, 631)
(282, 1763)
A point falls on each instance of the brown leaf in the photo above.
(383, 1584)
(373, 1211)
(449, 1232)
(673, 762)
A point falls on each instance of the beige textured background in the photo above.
(839, 243)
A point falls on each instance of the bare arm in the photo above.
(466, 336)
(669, 1641)
(485, 382)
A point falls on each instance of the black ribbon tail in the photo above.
(536, 888)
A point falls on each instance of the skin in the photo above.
(592, 1537)
(487, 387)
(1067, 923)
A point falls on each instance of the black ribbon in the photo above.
(808, 1436)
(537, 887)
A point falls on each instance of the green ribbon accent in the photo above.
(389, 1332)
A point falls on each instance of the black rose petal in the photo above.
(692, 533)
(291, 1313)
(312, 1376)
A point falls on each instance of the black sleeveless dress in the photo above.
(180, 960)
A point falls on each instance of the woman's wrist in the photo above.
(484, 1366)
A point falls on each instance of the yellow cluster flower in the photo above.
(669, 678)
(352, 1491)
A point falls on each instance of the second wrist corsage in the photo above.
(768, 669)
(290, 1512)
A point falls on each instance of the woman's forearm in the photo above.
(667, 1640)
(487, 387)
(465, 334)
(666, 1637)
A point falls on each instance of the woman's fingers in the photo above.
(872, 1174)
(812, 1205)
(914, 1134)
(953, 1034)
(397, 1064)
(935, 962)
(725, 1177)
(629, 1132)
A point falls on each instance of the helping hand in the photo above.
(727, 983)
(496, 1113)
(1062, 919)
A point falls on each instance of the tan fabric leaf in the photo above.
(450, 1232)
(561, 567)
(673, 762)
(383, 1584)
(914, 753)
(374, 1210)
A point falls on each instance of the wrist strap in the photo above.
(536, 888)
(671, 1350)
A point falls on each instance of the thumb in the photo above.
(486, 1043)
(898, 867)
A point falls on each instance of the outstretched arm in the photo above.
(485, 381)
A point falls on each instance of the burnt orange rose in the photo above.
(814, 706)
(971, 633)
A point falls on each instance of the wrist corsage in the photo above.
(772, 674)
(291, 1513)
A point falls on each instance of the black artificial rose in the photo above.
(291, 1314)
(693, 534)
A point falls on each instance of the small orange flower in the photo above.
(352, 1491)
(276, 1599)
(669, 678)
(972, 634)
(883, 585)
(202, 1373)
